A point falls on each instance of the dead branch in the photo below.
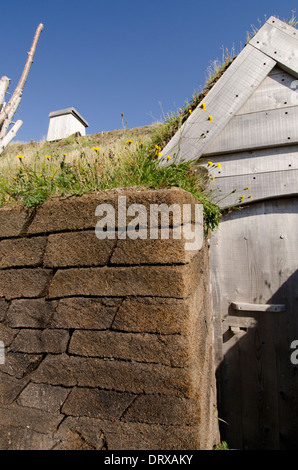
(7, 112)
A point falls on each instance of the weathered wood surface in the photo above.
(64, 126)
(267, 173)
(258, 307)
(261, 186)
(267, 118)
(278, 90)
(253, 162)
(279, 41)
(254, 259)
(226, 97)
(263, 129)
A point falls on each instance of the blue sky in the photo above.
(107, 57)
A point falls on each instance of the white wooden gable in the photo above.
(254, 128)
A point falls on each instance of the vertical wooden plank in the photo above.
(215, 284)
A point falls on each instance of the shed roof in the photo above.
(72, 111)
(276, 43)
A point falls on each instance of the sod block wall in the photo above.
(108, 343)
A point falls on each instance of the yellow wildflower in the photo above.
(190, 111)
(242, 198)
(20, 157)
(168, 157)
(218, 164)
(40, 176)
(247, 187)
(47, 156)
(64, 154)
(250, 196)
(14, 177)
(203, 106)
(210, 163)
(213, 178)
(129, 142)
(210, 118)
(96, 149)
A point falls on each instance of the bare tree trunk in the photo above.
(4, 84)
(7, 112)
(10, 135)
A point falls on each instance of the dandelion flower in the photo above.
(203, 106)
(210, 118)
(218, 165)
(190, 111)
(96, 149)
(242, 198)
(213, 178)
(40, 176)
(20, 157)
(159, 154)
(129, 141)
(210, 163)
(168, 157)
(250, 196)
(14, 177)
(247, 187)
(47, 156)
(64, 154)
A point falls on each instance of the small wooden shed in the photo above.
(64, 123)
(253, 134)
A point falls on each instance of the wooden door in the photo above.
(254, 266)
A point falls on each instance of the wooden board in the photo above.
(254, 260)
(278, 90)
(252, 162)
(226, 97)
(262, 129)
(261, 186)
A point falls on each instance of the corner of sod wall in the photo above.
(107, 344)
